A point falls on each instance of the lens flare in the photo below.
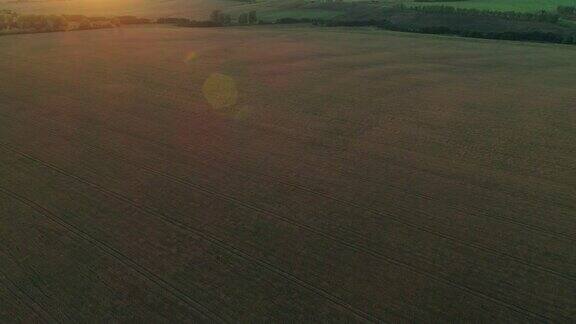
(190, 57)
(220, 91)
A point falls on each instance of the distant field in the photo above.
(274, 9)
(197, 9)
(160, 174)
(505, 5)
(267, 9)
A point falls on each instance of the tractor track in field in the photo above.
(376, 212)
(516, 308)
(238, 253)
(163, 95)
(127, 261)
(489, 250)
(21, 295)
(85, 271)
(25, 269)
(383, 175)
(531, 227)
(534, 228)
(134, 74)
(379, 213)
(7, 297)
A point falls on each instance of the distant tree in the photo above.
(46, 23)
(252, 18)
(128, 20)
(567, 12)
(243, 19)
(172, 20)
(6, 19)
(216, 16)
(227, 19)
(56, 23)
(32, 22)
(80, 18)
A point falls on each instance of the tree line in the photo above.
(530, 36)
(540, 16)
(12, 22)
(566, 12)
(217, 19)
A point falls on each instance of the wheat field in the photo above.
(285, 174)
